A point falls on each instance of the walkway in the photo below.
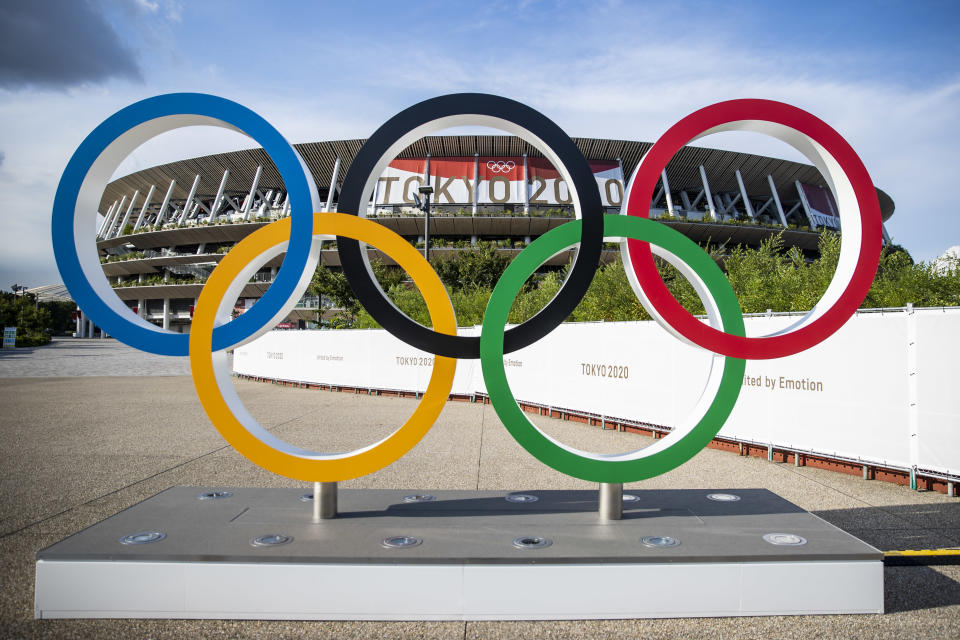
(78, 449)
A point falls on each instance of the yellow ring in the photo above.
(298, 463)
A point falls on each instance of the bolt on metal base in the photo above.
(324, 501)
(611, 501)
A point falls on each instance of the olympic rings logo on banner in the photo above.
(500, 166)
(298, 237)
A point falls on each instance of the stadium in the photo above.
(165, 228)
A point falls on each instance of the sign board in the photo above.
(502, 181)
(9, 337)
(823, 208)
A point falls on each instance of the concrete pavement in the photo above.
(78, 449)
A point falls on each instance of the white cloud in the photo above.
(606, 84)
(906, 135)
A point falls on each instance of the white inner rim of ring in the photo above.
(458, 121)
(95, 183)
(222, 373)
(840, 187)
(707, 396)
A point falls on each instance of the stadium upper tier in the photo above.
(329, 161)
(165, 228)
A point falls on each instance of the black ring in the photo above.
(352, 201)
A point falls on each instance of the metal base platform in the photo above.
(457, 555)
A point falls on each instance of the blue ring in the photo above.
(301, 213)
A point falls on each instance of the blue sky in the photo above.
(886, 75)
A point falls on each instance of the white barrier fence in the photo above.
(883, 390)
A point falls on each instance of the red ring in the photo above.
(641, 258)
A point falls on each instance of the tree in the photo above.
(33, 322)
(480, 266)
(765, 277)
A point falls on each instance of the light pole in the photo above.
(22, 289)
(425, 191)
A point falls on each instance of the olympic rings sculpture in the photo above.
(299, 237)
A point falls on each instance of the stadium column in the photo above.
(164, 205)
(526, 186)
(218, 199)
(806, 205)
(685, 199)
(79, 315)
(166, 313)
(706, 192)
(656, 197)
(113, 219)
(106, 217)
(264, 202)
(248, 205)
(333, 186)
(186, 205)
(476, 182)
(743, 193)
(126, 216)
(142, 308)
(666, 191)
(376, 196)
(776, 200)
(143, 211)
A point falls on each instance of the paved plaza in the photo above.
(91, 427)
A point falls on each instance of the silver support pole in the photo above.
(166, 313)
(611, 501)
(143, 211)
(706, 191)
(623, 183)
(806, 205)
(324, 501)
(656, 198)
(333, 185)
(763, 208)
(476, 181)
(186, 205)
(696, 200)
(218, 199)
(743, 192)
(776, 200)
(126, 216)
(248, 205)
(106, 217)
(113, 220)
(164, 205)
(666, 191)
(526, 186)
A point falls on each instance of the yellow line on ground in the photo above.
(924, 552)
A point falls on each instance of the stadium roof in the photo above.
(51, 292)
(683, 171)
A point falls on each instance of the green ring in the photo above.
(531, 438)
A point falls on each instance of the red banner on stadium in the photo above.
(502, 181)
(823, 208)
